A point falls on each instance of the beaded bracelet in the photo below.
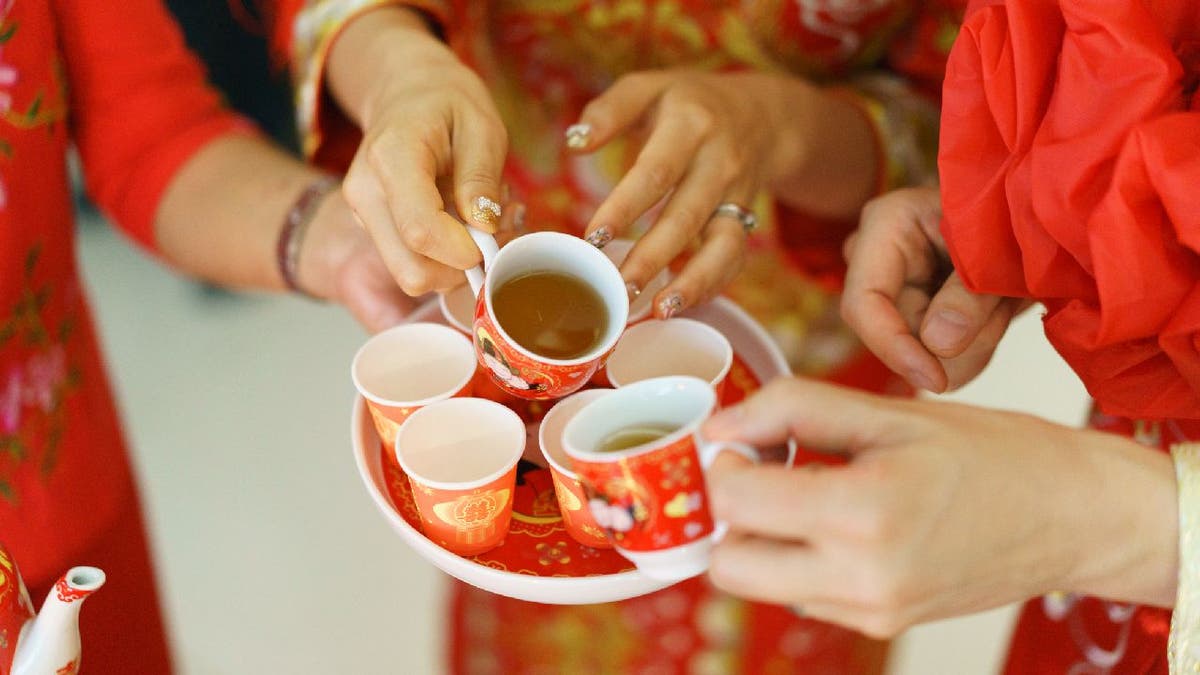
(295, 225)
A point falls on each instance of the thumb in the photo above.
(955, 318)
(817, 415)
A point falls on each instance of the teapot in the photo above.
(45, 643)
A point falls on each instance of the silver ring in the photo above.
(739, 213)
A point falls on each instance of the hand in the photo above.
(340, 263)
(429, 128)
(707, 143)
(941, 510)
(907, 304)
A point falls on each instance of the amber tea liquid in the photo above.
(554, 315)
(633, 436)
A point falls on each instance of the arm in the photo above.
(189, 180)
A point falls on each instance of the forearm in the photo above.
(826, 161)
(222, 214)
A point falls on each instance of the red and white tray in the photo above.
(538, 560)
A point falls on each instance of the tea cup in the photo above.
(461, 456)
(651, 498)
(407, 367)
(516, 369)
(678, 346)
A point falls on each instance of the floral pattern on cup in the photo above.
(651, 501)
(520, 375)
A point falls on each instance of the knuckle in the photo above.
(356, 188)
(657, 178)
(687, 219)
(416, 235)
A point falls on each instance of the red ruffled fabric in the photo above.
(1070, 165)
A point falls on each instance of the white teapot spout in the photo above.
(50, 643)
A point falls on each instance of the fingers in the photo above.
(621, 106)
(414, 274)
(887, 256)
(413, 210)
(955, 317)
(777, 501)
(974, 358)
(480, 144)
(714, 266)
(768, 570)
(817, 415)
(660, 166)
(687, 214)
(814, 581)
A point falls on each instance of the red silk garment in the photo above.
(1069, 161)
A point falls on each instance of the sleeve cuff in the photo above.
(137, 211)
(1183, 644)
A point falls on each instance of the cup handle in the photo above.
(489, 249)
(708, 451)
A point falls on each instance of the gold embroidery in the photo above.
(1183, 645)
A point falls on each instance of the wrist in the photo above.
(331, 241)
(297, 236)
(1123, 536)
(374, 48)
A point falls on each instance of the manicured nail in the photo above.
(578, 136)
(945, 330)
(486, 212)
(600, 237)
(518, 217)
(670, 305)
(633, 290)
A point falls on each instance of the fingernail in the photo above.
(670, 305)
(945, 330)
(633, 290)
(578, 136)
(518, 218)
(486, 212)
(920, 380)
(600, 237)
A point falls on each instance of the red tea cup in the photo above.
(514, 368)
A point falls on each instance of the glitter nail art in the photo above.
(670, 305)
(578, 136)
(485, 212)
(600, 237)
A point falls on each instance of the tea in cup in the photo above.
(461, 456)
(407, 367)
(548, 311)
(641, 462)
